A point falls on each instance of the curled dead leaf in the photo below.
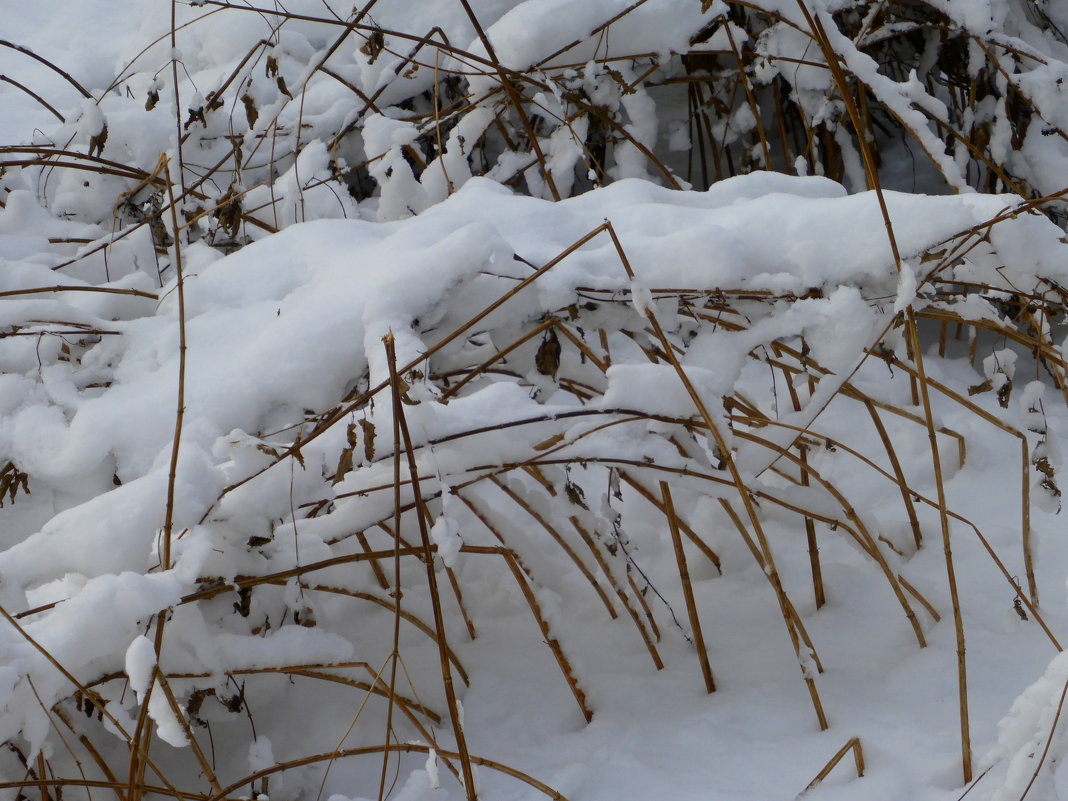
(547, 359)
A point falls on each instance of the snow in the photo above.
(140, 665)
(168, 727)
(315, 300)
(539, 479)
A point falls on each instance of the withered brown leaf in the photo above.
(251, 112)
(547, 359)
(374, 46)
(368, 439)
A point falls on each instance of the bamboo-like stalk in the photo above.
(559, 540)
(472, 632)
(815, 568)
(420, 506)
(94, 753)
(1025, 463)
(836, 522)
(743, 78)
(915, 593)
(179, 417)
(813, 546)
(951, 577)
(98, 702)
(435, 599)
(141, 743)
(377, 687)
(650, 646)
(88, 784)
(658, 503)
(179, 715)
(899, 474)
(605, 568)
(1006, 574)
(42, 60)
(546, 632)
(1049, 742)
(859, 529)
(726, 309)
(794, 623)
(361, 537)
(398, 594)
(402, 748)
(353, 404)
(736, 478)
(853, 744)
(644, 604)
(687, 589)
(516, 99)
(389, 604)
(499, 355)
(523, 578)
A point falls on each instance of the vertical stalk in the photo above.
(400, 422)
(141, 741)
(736, 478)
(179, 416)
(687, 588)
(397, 594)
(895, 463)
(951, 576)
(810, 535)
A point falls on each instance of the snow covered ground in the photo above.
(585, 392)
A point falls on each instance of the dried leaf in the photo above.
(196, 115)
(1004, 392)
(251, 112)
(344, 465)
(228, 212)
(374, 46)
(575, 494)
(272, 66)
(1043, 466)
(243, 605)
(262, 447)
(195, 702)
(1017, 604)
(624, 84)
(96, 143)
(161, 237)
(11, 481)
(547, 359)
(153, 99)
(404, 387)
(368, 439)
(282, 86)
(978, 389)
(235, 703)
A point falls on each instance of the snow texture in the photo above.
(265, 542)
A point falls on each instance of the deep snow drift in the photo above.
(297, 321)
(454, 459)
